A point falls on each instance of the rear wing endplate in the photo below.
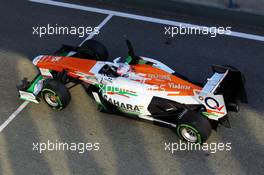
(227, 81)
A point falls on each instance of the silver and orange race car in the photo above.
(138, 87)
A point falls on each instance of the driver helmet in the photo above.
(123, 68)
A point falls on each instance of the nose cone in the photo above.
(36, 59)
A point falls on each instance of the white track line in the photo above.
(99, 27)
(142, 18)
(12, 116)
(25, 103)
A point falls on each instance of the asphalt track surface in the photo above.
(126, 146)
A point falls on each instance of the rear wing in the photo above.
(233, 84)
(228, 82)
(214, 82)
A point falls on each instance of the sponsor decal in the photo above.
(124, 106)
(213, 103)
(156, 87)
(56, 59)
(111, 90)
(158, 76)
(179, 86)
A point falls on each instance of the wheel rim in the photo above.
(51, 99)
(189, 134)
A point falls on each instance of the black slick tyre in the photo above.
(193, 127)
(55, 94)
(99, 51)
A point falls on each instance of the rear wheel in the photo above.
(194, 128)
(236, 69)
(55, 94)
(99, 51)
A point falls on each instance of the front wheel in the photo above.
(55, 94)
(194, 128)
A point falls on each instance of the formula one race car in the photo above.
(139, 86)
